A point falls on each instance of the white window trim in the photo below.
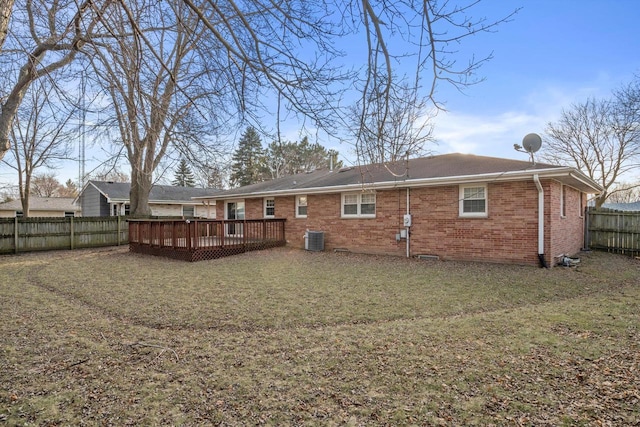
(183, 206)
(237, 202)
(265, 207)
(461, 211)
(298, 205)
(580, 207)
(359, 214)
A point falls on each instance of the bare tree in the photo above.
(167, 68)
(40, 136)
(387, 130)
(599, 137)
(110, 174)
(628, 97)
(8, 193)
(45, 185)
(44, 36)
(625, 193)
(160, 83)
(293, 50)
(211, 171)
(211, 176)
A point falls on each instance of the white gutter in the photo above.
(536, 179)
(582, 180)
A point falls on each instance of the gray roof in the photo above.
(623, 206)
(61, 204)
(432, 170)
(120, 191)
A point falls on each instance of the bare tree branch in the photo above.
(56, 34)
(40, 136)
(599, 137)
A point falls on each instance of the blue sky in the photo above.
(552, 54)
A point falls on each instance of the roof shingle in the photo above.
(120, 191)
(425, 168)
(62, 204)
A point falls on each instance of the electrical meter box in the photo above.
(407, 220)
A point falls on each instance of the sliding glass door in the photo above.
(234, 209)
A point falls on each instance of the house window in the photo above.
(359, 205)
(69, 214)
(127, 209)
(301, 206)
(188, 211)
(473, 201)
(563, 200)
(19, 214)
(269, 208)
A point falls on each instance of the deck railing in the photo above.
(199, 239)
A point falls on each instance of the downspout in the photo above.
(543, 262)
(408, 228)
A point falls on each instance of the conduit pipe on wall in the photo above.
(543, 262)
(408, 228)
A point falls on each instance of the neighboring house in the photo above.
(107, 198)
(41, 207)
(453, 206)
(633, 207)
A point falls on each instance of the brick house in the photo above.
(453, 206)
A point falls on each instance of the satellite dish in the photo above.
(531, 142)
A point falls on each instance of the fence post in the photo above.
(188, 236)
(71, 233)
(244, 233)
(196, 234)
(119, 230)
(15, 235)
(587, 243)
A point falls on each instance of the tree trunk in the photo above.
(25, 206)
(601, 199)
(6, 6)
(139, 197)
(25, 194)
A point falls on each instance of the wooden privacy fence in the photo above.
(613, 231)
(39, 234)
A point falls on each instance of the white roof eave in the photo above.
(420, 182)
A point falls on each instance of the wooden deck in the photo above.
(202, 239)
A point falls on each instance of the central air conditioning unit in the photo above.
(314, 240)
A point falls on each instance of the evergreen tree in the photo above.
(289, 158)
(183, 176)
(247, 165)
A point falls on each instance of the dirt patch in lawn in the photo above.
(286, 337)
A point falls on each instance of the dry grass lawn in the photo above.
(286, 337)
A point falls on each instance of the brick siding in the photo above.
(566, 236)
(508, 234)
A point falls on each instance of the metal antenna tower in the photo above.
(81, 130)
